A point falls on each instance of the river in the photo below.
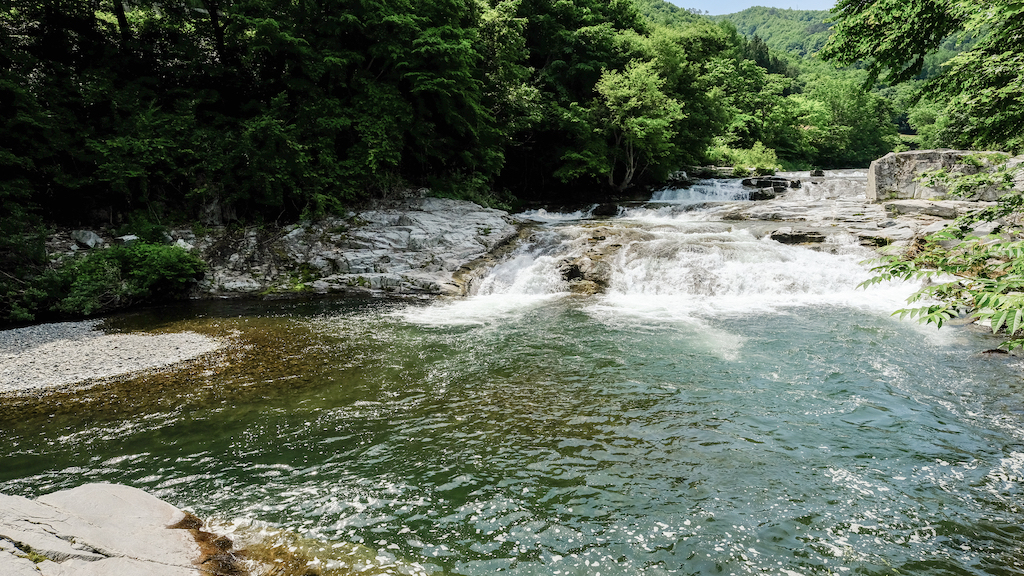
(726, 405)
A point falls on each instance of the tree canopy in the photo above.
(801, 32)
(979, 90)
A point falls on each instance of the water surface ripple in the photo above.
(646, 431)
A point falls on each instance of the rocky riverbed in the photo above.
(47, 356)
(415, 246)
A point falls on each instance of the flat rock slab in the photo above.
(94, 530)
(790, 235)
(939, 208)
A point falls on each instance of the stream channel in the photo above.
(727, 405)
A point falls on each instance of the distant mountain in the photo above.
(801, 32)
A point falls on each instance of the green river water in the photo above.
(729, 406)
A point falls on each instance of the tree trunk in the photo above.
(630, 162)
(122, 25)
(213, 9)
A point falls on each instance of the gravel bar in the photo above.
(46, 356)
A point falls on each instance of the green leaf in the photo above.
(1000, 320)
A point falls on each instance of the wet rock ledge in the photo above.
(409, 246)
(106, 530)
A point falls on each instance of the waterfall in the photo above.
(696, 266)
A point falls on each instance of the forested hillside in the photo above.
(801, 32)
(282, 108)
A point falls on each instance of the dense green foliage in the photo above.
(103, 280)
(273, 109)
(977, 98)
(801, 32)
(262, 110)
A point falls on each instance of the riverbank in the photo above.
(427, 246)
(385, 434)
(39, 358)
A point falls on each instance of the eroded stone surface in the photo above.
(896, 176)
(94, 530)
(412, 247)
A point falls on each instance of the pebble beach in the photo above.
(47, 356)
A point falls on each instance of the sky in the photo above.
(733, 6)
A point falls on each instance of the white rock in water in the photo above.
(95, 530)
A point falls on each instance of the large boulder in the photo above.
(896, 176)
(86, 238)
(95, 530)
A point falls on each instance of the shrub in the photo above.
(987, 272)
(105, 280)
(758, 159)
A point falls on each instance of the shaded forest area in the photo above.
(277, 110)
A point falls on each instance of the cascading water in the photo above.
(704, 191)
(701, 267)
(724, 404)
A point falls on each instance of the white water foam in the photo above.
(476, 310)
(704, 191)
(544, 216)
(527, 280)
(675, 270)
(707, 274)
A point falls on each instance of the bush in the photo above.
(987, 283)
(758, 159)
(140, 225)
(103, 281)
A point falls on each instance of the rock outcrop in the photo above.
(896, 176)
(95, 530)
(588, 270)
(86, 238)
(412, 246)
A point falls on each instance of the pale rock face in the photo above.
(895, 176)
(86, 238)
(414, 246)
(95, 530)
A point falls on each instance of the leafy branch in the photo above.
(980, 277)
